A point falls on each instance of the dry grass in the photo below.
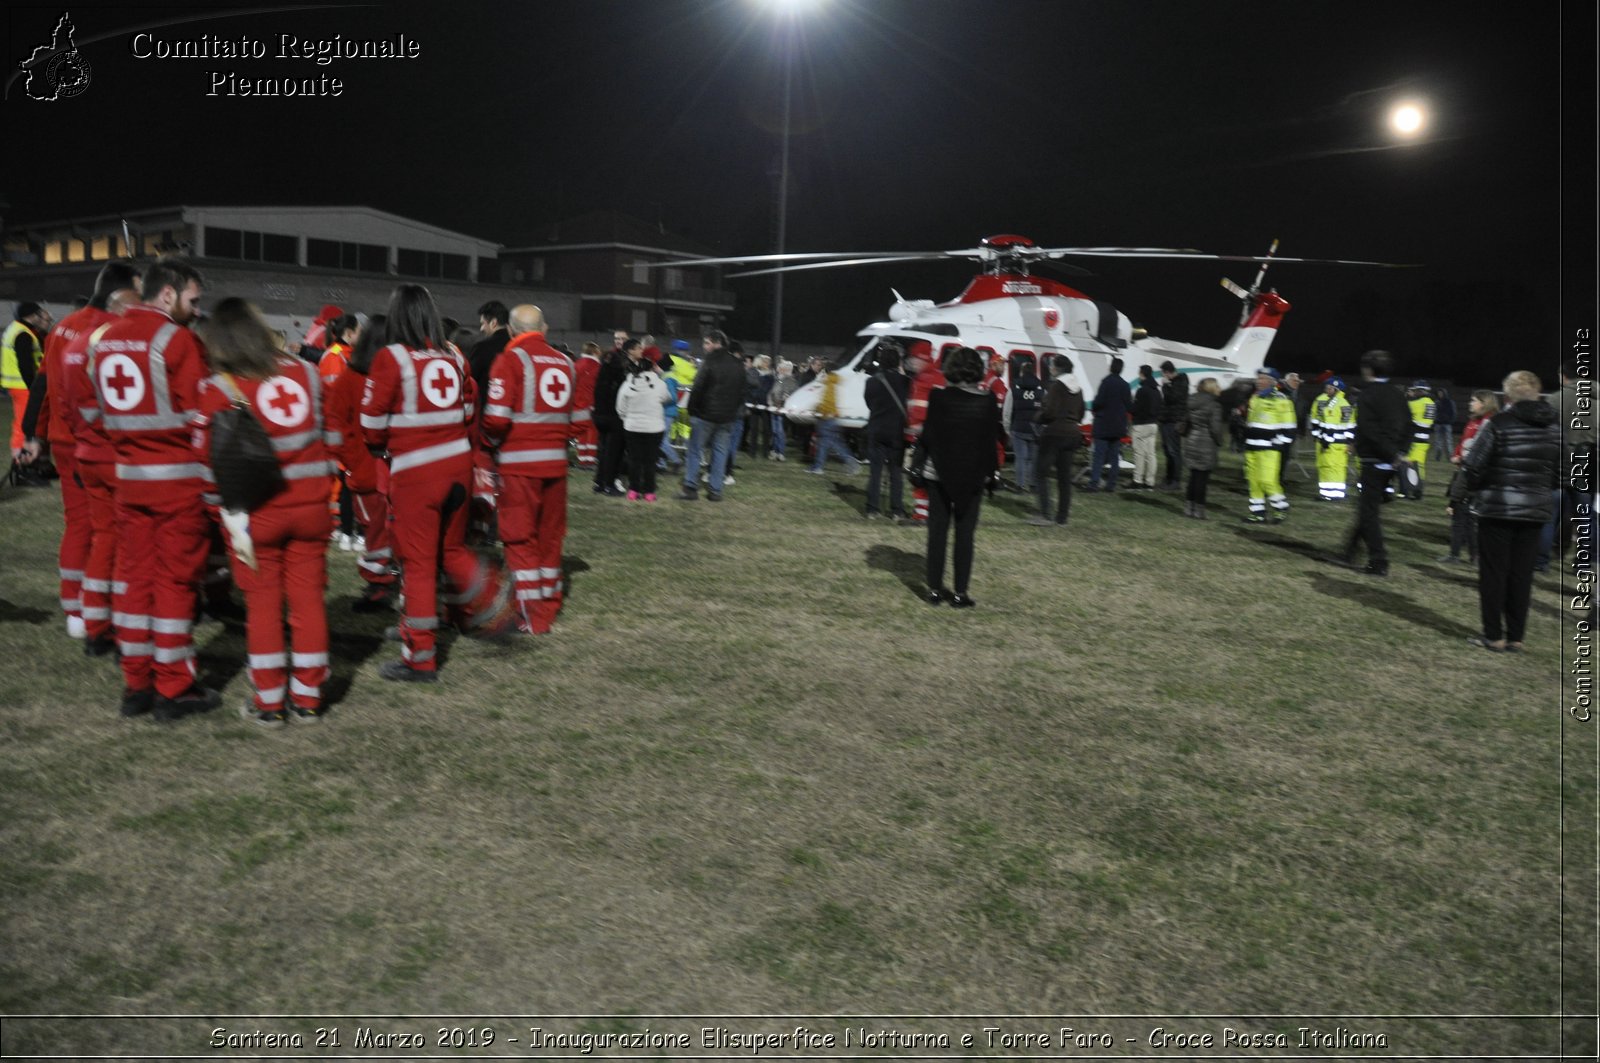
(1165, 767)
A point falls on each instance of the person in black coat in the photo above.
(960, 437)
(886, 394)
(1383, 436)
(1513, 469)
(1112, 403)
(1060, 435)
(613, 372)
(1174, 412)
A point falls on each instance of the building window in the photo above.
(76, 252)
(433, 264)
(249, 246)
(100, 249)
(536, 270)
(641, 320)
(335, 254)
(641, 272)
(52, 253)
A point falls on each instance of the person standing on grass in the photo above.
(587, 441)
(783, 385)
(527, 420)
(1174, 411)
(1424, 411)
(960, 438)
(641, 403)
(886, 394)
(1383, 429)
(1112, 402)
(1147, 411)
(1027, 396)
(418, 406)
(1269, 424)
(1463, 526)
(715, 403)
(613, 370)
(1060, 436)
(1201, 441)
(279, 550)
(366, 476)
(830, 436)
(1512, 469)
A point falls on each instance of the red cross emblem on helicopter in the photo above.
(1052, 319)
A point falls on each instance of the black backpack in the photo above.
(242, 458)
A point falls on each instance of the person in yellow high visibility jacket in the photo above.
(1419, 398)
(1269, 422)
(23, 351)
(1333, 425)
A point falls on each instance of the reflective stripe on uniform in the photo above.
(438, 452)
(309, 660)
(188, 470)
(131, 621)
(163, 626)
(518, 457)
(305, 470)
(268, 660)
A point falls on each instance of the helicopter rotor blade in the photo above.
(798, 256)
(1242, 293)
(836, 264)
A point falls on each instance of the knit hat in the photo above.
(1337, 382)
(680, 345)
(1418, 385)
(1269, 371)
(26, 310)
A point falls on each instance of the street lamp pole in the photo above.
(783, 205)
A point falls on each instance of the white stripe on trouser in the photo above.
(119, 587)
(173, 654)
(270, 697)
(136, 649)
(73, 574)
(72, 605)
(131, 621)
(171, 627)
(422, 623)
(100, 586)
(1331, 488)
(96, 612)
(416, 658)
(310, 660)
(268, 660)
(1278, 502)
(1258, 505)
(304, 690)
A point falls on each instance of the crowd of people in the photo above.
(187, 455)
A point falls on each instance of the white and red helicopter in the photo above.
(1007, 310)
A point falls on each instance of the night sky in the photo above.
(916, 126)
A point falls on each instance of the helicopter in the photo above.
(1010, 315)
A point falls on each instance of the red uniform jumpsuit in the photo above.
(75, 535)
(147, 370)
(96, 464)
(417, 405)
(922, 386)
(289, 532)
(583, 430)
(366, 477)
(528, 419)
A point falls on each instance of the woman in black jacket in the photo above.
(960, 436)
(1512, 469)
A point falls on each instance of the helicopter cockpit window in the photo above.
(944, 352)
(1019, 359)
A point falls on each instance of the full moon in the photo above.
(1407, 119)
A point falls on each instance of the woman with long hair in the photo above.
(415, 407)
(1201, 443)
(959, 437)
(280, 548)
(1463, 525)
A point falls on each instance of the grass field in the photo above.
(1166, 767)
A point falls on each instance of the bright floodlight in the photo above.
(1408, 119)
(791, 8)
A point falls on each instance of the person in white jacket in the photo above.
(641, 403)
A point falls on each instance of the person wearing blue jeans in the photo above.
(718, 438)
(830, 439)
(1112, 403)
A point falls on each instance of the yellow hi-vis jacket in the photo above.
(10, 369)
(1423, 412)
(1333, 419)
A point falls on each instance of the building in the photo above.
(289, 261)
(607, 256)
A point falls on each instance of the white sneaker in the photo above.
(728, 481)
(358, 545)
(75, 628)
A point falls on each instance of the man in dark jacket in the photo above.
(1027, 395)
(714, 405)
(1111, 405)
(1383, 435)
(1060, 436)
(1513, 468)
(1174, 410)
(887, 391)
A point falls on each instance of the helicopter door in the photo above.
(944, 352)
(1019, 359)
